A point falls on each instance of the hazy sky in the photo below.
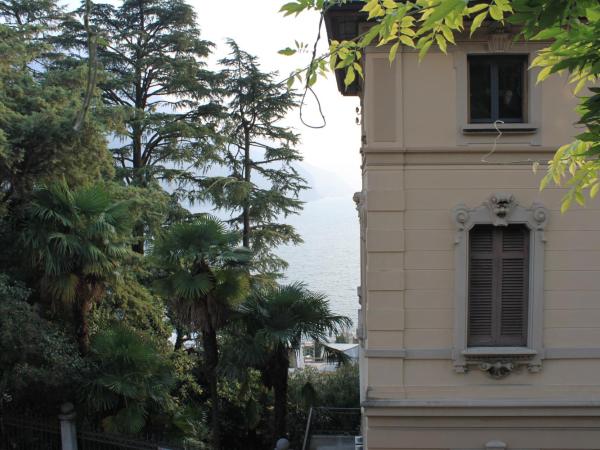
(260, 29)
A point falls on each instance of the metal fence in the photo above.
(88, 440)
(331, 422)
(19, 433)
(26, 433)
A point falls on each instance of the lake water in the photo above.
(328, 260)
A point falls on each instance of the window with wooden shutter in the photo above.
(498, 286)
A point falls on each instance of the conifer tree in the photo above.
(38, 104)
(157, 83)
(262, 185)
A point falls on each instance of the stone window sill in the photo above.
(475, 352)
(508, 128)
(499, 362)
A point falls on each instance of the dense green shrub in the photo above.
(38, 360)
(309, 387)
(132, 382)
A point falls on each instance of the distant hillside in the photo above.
(323, 183)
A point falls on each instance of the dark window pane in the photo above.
(498, 285)
(510, 89)
(480, 90)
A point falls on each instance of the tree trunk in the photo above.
(82, 314)
(280, 388)
(247, 177)
(138, 232)
(179, 335)
(211, 359)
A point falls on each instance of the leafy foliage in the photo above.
(78, 241)
(204, 272)
(156, 84)
(337, 389)
(262, 184)
(204, 276)
(152, 52)
(309, 387)
(66, 226)
(128, 300)
(574, 28)
(37, 112)
(38, 360)
(133, 378)
(275, 321)
(284, 315)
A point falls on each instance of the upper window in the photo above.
(497, 88)
(498, 286)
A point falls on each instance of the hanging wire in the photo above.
(314, 60)
(308, 88)
(535, 162)
(498, 136)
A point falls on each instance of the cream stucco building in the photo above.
(480, 301)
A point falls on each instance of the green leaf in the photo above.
(580, 85)
(369, 5)
(476, 8)
(407, 41)
(496, 12)
(358, 69)
(448, 34)
(393, 51)
(350, 76)
(544, 73)
(424, 49)
(566, 203)
(547, 34)
(292, 8)
(593, 14)
(545, 181)
(441, 42)
(477, 21)
(287, 51)
(441, 11)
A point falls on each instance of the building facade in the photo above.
(480, 301)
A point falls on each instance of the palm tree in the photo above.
(132, 379)
(277, 319)
(78, 240)
(205, 275)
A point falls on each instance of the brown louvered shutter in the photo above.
(498, 285)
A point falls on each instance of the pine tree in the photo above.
(39, 102)
(156, 81)
(262, 184)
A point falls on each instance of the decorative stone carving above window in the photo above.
(500, 42)
(500, 209)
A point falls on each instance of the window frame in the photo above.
(524, 134)
(496, 256)
(500, 209)
(493, 60)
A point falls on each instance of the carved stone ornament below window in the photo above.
(498, 369)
